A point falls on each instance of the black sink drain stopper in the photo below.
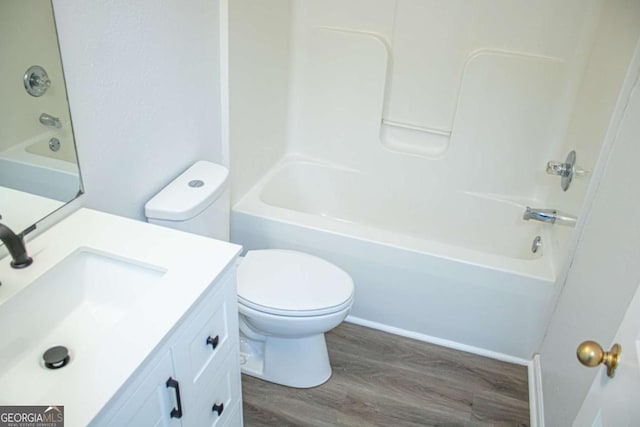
(56, 357)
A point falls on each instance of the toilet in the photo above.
(287, 300)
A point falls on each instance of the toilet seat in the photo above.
(294, 284)
(293, 313)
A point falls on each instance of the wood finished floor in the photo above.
(381, 379)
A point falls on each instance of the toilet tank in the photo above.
(197, 201)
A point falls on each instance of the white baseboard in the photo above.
(439, 341)
(536, 408)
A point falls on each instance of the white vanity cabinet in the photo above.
(135, 305)
(193, 377)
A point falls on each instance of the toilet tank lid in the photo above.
(189, 194)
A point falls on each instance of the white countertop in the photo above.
(97, 372)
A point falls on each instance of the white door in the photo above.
(602, 280)
(613, 401)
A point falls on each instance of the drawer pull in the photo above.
(213, 341)
(218, 408)
(175, 412)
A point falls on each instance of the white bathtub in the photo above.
(451, 268)
(23, 167)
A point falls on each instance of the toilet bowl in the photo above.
(287, 300)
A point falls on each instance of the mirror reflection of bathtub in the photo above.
(33, 168)
(35, 179)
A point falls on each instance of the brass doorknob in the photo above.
(591, 354)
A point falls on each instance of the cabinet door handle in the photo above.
(213, 341)
(175, 412)
(218, 408)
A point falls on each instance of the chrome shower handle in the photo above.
(566, 170)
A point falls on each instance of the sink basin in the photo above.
(73, 304)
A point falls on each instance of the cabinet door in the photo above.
(206, 339)
(153, 402)
(220, 397)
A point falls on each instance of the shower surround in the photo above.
(402, 140)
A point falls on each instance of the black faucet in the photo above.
(15, 245)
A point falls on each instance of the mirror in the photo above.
(39, 170)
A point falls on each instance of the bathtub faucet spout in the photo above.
(49, 120)
(551, 216)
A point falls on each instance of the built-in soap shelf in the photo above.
(412, 139)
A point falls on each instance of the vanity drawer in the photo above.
(206, 340)
(222, 393)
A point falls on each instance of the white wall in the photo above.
(144, 86)
(259, 62)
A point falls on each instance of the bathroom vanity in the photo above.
(148, 315)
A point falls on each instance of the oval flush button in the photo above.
(196, 183)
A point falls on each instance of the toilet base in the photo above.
(293, 362)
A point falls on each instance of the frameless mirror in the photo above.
(39, 170)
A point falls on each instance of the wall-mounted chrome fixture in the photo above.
(566, 170)
(36, 81)
(49, 120)
(551, 216)
(536, 244)
(54, 144)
